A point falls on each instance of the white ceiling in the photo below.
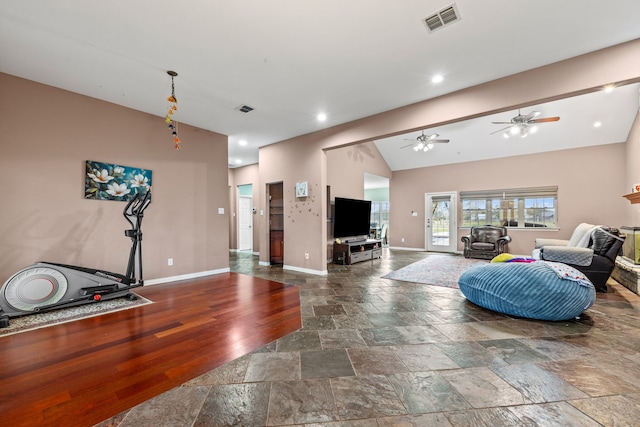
(292, 59)
(472, 140)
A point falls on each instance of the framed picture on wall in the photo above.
(107, 181)
(302, 189)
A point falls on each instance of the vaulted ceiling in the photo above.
(291, 60)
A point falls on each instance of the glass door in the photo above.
(441, 222)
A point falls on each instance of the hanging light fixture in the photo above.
(173, 106)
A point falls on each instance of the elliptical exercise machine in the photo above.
(46, 286)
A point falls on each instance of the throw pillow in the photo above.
(603, 239)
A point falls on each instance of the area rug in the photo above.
(56, 317)
(438, 270)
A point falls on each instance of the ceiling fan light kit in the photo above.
(425, 142)
(422, 147)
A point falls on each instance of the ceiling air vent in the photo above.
(245, 108)
(443, 17)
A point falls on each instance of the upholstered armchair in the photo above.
(591, 249)
(485, 242)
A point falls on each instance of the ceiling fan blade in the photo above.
(531, 115)
(545, 120)
(410, 145)
(441, 141)
(502, 123)
(501, 130)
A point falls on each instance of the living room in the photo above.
(102, 130)
(50, 130)
(346, 164)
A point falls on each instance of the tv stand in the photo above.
(356, 250)
(354, 241)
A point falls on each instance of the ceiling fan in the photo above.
(523, 125)
(425, 142)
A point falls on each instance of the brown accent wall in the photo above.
(49, 133)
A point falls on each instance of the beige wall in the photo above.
(346, 167)
(589, 190)
(305, 222)
(49, 133)
(632, 163)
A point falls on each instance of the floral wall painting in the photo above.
(105, 181)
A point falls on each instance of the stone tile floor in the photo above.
(377, 352)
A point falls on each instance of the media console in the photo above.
(350, 252)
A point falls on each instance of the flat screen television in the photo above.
(351, 218)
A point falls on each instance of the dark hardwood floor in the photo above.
(83, 372)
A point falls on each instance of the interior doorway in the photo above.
(276, 223)
(245, 217)
(376, 190)
(441, 219)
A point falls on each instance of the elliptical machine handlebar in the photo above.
(135, 209)
(136, 206)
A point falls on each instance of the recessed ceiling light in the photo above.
(242, 142)
(238, 161)
(609, 88)
(321, 117)
(437, 78)
(597, 124)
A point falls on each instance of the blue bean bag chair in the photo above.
(536, 290)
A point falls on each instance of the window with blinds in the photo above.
(514, 207)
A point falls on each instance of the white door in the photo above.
(441, 222)
(245, 219)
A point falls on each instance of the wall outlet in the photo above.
(306, 255)
(170, 261)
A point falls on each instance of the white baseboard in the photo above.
(404, 248)
(185, 276)
(306, 270)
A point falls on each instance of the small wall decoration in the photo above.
(171, 108)
(106, 181)
(302, 189)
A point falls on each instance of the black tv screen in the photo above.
(351, 217)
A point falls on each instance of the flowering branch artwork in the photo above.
(105, 181)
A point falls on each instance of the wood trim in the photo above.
(633, 197)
